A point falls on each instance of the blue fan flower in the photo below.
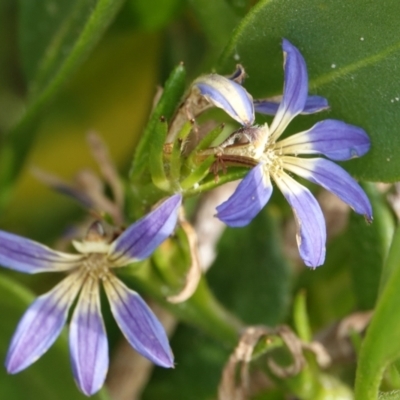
(276, 159)
(44, 319)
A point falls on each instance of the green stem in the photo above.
(381, 344)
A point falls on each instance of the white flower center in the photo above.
(96, 265)
(272, 159)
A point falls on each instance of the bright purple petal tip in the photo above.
(249, 198)
(315, 104)
(267, 106)
(311, 236)
(138, 323)
(333, 178)
(41, 325)
(88, 340)
(144, 236)
(270, 106)
(294, 91)
(334, 139)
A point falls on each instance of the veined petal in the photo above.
(294, 91)
(41, 324)
(228, 95)
(249, 198)
(270, 106)
(333, 178)
(334, 139)
(267, 106)
(144, 236)
(311, 236)
(88, 340)
(27, 256)
(315, 104)
(138, 323)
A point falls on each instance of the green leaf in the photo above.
(381, 344)
(50, 377)
(55, 38)
(366, 260)
(350, 61)
(250, 275)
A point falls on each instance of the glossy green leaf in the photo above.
(250, 275)
(55, 38)
(51, 376)
(381, 344)
(350, 48)
(366, 260)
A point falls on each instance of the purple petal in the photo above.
(228, 95)
(332, 138)
(249, 198)
(270, 106)
(138, 323)
(144, 236)
(88, 340)
(311, 236)
(41, 325)
(25, 255)
(333, 178)
(267, 106)
(315, 104)
(294, 91)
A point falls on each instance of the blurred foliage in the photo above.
(198, 370)
(69, 67)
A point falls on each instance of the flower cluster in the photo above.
(176, 169)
